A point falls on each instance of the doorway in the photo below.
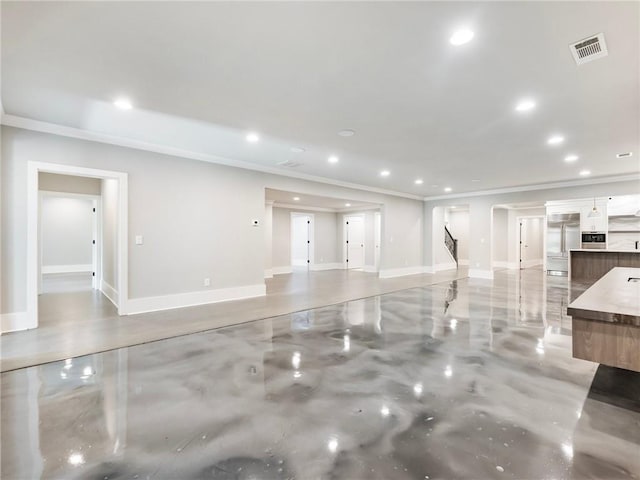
(354, 235)
(301, 240)
(115, 188)
(530, 241)
(69, 238)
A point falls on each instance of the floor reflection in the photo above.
(392, 386)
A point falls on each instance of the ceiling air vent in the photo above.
(589, 49)
(289, 163)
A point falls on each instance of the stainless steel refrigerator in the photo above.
(563, 234)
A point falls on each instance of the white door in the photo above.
(378, 237)
(355, 242)
(531, 237)
(300, 240)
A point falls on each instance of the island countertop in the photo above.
(603, 250)
(613, 298)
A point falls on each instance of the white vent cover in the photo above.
(289, 163)
(588, 49)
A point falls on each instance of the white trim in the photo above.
(318, 267)
(439, 267)
(45, 127)
(539, 186)
(190, 299)
(400, 272)
(505, 264)
(33, 212)
(268, 273)
(532, 263)
(67, 268)
(16, 321)
(368, 268)
(300, 208)
(109, 292)
(282, 270)
(428, 269)
(480, 273)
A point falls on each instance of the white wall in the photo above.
(459, 228)
(53, 182)
(67, 233)
(109, 192)
(500, 237)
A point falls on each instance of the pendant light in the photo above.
(595, 212)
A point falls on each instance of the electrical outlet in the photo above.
(206, 282)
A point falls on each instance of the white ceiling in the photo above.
(285, 198)
(202, 74)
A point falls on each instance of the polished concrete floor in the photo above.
(460, 379)
(77, 322)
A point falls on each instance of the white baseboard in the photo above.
(268, 273)
(531, 263)
(370, 269)
(299, 263)
(428, 269)
(500, 264)
(317, 267)
(281, 270)
(190, 299)
(110, 292)
(439, 267)
(480, 273)
(14, 322)
(67, 268)
(400, 272)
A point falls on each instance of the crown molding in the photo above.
(539, 186)
(78, 133)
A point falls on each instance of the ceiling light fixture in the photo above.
(461, 36)
(555, 140)
(123, 104)
(584, 173)
(525, 105)
(571, 158)
(594, 211)
(447, 189)
(418, 181)
(385, 173)
(347, 204)
(253, 137)
(624, 155)
(296, 198)
(346, 133)
(475, 180)
(333, 159)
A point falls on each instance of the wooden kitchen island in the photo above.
(587, 266)
(606, 320)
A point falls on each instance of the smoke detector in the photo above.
(589, 49)
(289, 163)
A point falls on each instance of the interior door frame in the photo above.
(33, 213)
(519, 220)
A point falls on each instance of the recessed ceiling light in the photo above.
(525, 105)
(624, 155)
(297, 149)
(385, 173)
(347, 204)
(333, 159)
(475, 180)
(296, 198)
(123, 104)
(571, 158)
(584, 173)
(346, 133)
(453, 206)
(460, 37)
(447, 189)
(418, 181)
(253, 137)
(555, 140)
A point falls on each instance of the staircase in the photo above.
(451, 244)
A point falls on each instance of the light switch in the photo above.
(139, 240)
